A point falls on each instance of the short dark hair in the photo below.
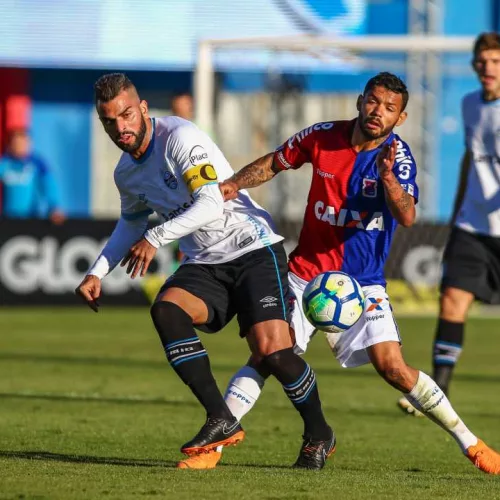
(390, 82)
(108, 86)
(486, 41)
(182, 93)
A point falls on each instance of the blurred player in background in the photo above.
(471, 263)
(235, 263)
(29, 188)
(182, 106)
(363, 185)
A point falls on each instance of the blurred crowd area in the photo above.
(57, 164)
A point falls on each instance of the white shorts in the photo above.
(375, 326)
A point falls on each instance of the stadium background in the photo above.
(52, 52)
(89, 407)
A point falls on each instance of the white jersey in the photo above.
(480, 210)
(177, 177)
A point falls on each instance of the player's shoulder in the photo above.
(320, 128)
(472, 97)
(400, 141)
(403, 150)
(471, 101)
(320, 131)
(177, 129)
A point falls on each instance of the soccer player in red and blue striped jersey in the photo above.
(363, 186)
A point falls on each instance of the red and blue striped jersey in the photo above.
(347, 224)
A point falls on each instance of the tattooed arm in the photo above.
(400, 203)
(253, 175)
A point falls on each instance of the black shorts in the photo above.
(254, 287)
(471, 262)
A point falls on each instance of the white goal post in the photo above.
(413, 44)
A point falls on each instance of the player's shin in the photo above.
(428, 398)
(299, 383)
(447, 349)
(188, 357)
(243, 391)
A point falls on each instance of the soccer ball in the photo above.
(333, 301)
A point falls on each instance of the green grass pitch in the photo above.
(90, 409)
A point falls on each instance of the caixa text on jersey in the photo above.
(346, 217)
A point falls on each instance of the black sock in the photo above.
(188, 357)
(447, 348)
(299, 382)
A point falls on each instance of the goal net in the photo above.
(254, 93)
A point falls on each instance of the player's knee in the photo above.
(171, 321)
(277, 359)
(269, 346)
(266, 338)
(454, 306)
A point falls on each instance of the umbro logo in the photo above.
(269, 301)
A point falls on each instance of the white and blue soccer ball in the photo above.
(333, 301)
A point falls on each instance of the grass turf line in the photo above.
(91, 409)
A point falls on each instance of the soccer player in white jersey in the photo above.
(234, 263)
(471, 262)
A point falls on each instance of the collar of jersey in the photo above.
(151, 145)
(494, 102)
(375, 151)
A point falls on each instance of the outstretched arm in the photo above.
(252, 175)
(125, 234)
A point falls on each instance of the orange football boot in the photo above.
(484, 457)
(207, 460)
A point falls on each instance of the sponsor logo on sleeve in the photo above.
(409, 188)
(200, 175)
(304, 133)
(283, 161)
(404, 161)
(198, 155)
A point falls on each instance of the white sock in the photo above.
(428, 398)
(243, 391)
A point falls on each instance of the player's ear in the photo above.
(402, 118)
(359, 101)
(144, 108)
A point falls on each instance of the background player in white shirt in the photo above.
(471, 262)
(234, 264)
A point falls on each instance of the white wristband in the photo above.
(100, 267)
(151, 238)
